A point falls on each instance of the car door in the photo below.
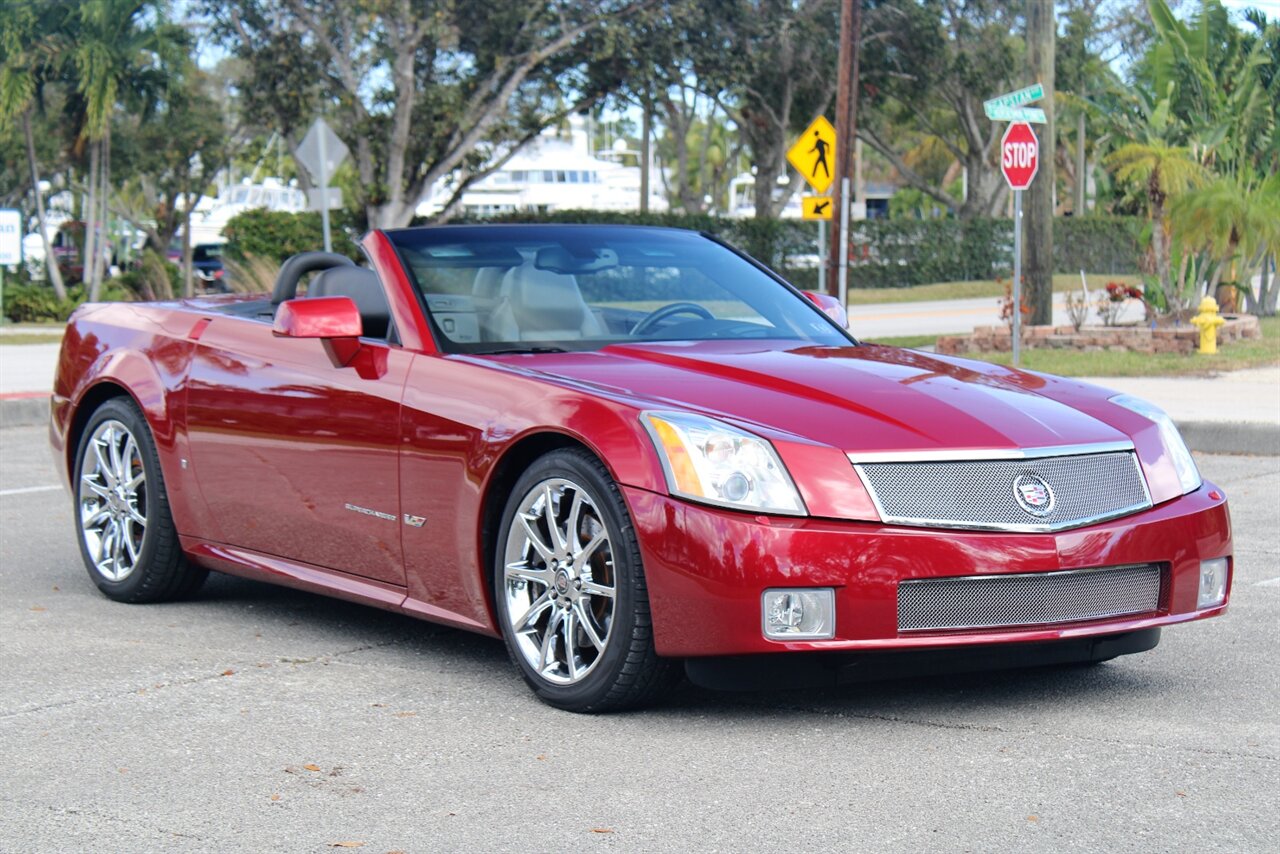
(296, 456)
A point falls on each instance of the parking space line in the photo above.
(1270, 582)
(28, 489)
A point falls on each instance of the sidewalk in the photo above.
(1236, 413)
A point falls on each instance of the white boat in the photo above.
(552, 173)
(272, 194)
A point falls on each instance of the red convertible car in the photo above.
(632, 453)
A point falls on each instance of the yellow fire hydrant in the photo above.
(1208, 321)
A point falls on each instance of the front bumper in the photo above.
(706, 569)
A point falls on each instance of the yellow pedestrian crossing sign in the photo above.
(815, 207)
(814, 154)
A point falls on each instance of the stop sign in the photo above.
(1019, 155)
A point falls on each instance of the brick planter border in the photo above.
(1136, 339)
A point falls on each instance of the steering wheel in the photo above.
(652, 319)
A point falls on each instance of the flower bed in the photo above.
(1137, 339)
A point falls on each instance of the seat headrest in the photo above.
(544, 301)
(364, 289)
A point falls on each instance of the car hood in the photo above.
(858, 398)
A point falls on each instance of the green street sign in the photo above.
(1015, 99)
(1034, 115)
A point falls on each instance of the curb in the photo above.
(26, 411)
(1207, 437)
(1231, 437)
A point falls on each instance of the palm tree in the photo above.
(29, 56)
(1162, 171)
(121, 47)
(1230, 221)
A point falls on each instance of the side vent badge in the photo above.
(415, 521)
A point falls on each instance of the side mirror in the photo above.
(830, 306)
(318, 317)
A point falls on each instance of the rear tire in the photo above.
(125, 530)
(570, 591)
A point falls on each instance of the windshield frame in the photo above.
(448, 346)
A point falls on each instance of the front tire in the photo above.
(125, 530)
(570, 590)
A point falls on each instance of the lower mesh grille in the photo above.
(989, 601)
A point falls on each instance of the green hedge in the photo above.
(277, 235)
(886, 253)
(35, 303)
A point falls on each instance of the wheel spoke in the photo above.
(138, 518)
(591, 588)
(571, 659)
(535, 610)
(102, 512)
(584, 620)
(534, 540)
(589, 549)
(529, 573)
(104, 468)
(571, 524)
(105, 540)
(545, 652)
(95, 487)
(130, 547)
(126, 460)
(553, 527)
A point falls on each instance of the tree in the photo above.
(30, 55)
(118, 49)
(1235, 225)
(170, 158)
(438, 90)
(927, 66)
(1162, 171)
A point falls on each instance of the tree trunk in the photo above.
(1081, 206)
(1037, 267)
(51, 262)
(646, 134)
(104, 189)
(89, 246)
(1160, 245)
(188, 274)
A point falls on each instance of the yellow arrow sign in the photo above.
(816, 207)
(814, 154)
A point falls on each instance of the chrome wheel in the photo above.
(558, 581)
(113, 500)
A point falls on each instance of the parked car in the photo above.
(630, 453)
(206, 259)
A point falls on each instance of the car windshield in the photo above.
(536, 288)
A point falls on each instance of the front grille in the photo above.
(982, 494)
(990, 601)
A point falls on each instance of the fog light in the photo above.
(1213, 582)
(799, 614)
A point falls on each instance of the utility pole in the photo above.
(646, 133)
(846, 128)
(1041, 36)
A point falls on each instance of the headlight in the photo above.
(707, 460)
(1188, 474)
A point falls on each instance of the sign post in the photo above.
(321, 152)
(814, 155)
(10, 246)
(1019, 161)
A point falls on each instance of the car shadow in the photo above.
(913, 698)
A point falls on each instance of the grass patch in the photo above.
(30, 338)
(1077, 363)
(907, 340)
(972, 290)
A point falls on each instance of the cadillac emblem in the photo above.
(1033, 494)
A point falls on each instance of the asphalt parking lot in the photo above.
(261, 719)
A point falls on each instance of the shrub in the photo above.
(38, 303)
(884, 253)
(277, 235)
